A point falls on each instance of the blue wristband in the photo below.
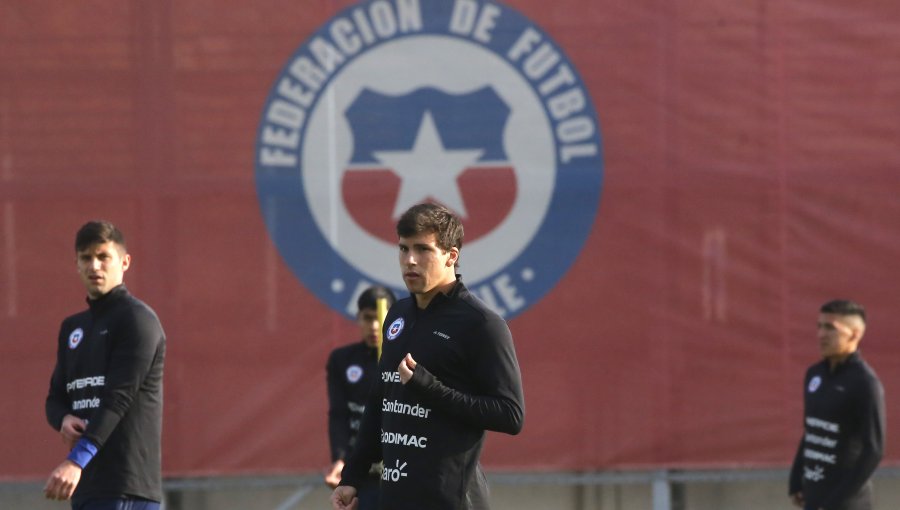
(83, 452)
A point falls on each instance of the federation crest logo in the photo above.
(75, 338)
(396, 102)
(395, 328)
(814, 384)
(354, 373)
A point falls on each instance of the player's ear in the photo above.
(858, 333)
(857, 328)
(454, 256)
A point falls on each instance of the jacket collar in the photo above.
(852, 359)
(440, 298)
(104, 301)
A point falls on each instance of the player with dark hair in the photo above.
(448, 374)
(843, 414)
(351, 372)
(105, 395)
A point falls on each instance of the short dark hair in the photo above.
(844, 307)
(98, 231)
(426, 218)
(369, 298)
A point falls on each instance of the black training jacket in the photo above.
(109, 371)
(351, 370)
(430, 431)
(843, 439)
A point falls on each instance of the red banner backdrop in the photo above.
(750, 174)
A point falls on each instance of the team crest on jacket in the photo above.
(466, 103)
(75, 338)
(354, 373)
(395, 328)
(814, 384)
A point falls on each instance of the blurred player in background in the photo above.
(352, 370)
(106, 393)
(448, 373)
(843, 413)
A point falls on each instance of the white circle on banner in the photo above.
(488, 119)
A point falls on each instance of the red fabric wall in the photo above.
(750, 174)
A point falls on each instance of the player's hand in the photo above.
(797, 499)
(344, 498)
(333, 477)
(406, 368)
(63, 481)
(71, 430)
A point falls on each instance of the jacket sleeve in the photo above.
(57, 404)
(870, 430)
(338, 414)
(138, 341)
(367, 449)
(499, 404)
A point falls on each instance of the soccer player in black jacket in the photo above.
(448, 373)
(351, 371)
(843, 414)
(105, 395)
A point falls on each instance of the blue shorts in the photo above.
(117, 504)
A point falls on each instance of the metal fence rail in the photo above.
(661, 481)
(499, 478)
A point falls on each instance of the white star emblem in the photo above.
(428, 170)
